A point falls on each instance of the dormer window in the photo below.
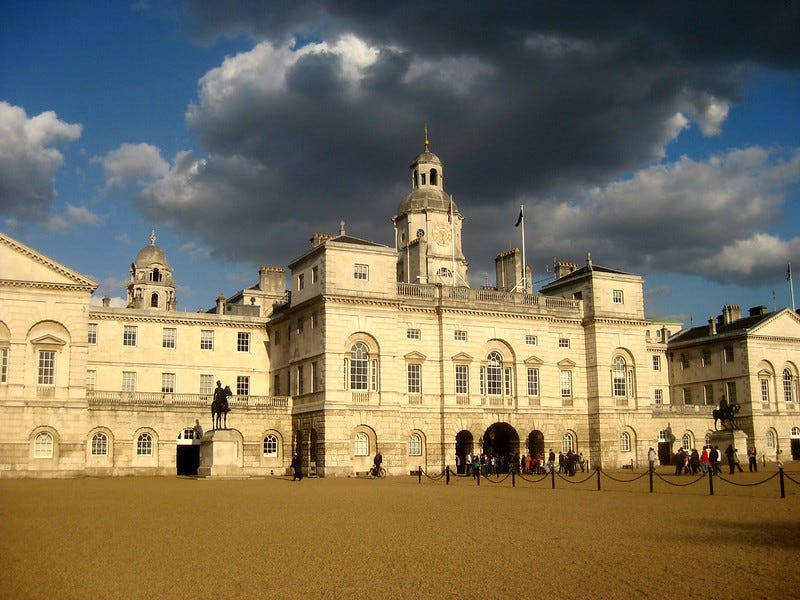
(154, 300)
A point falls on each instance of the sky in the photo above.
(664, 138)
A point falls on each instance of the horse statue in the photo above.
(726, 413)
(219, 407)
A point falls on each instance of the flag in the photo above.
(450, 211)
(788, 271)
(519, 219)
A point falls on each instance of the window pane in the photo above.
(92, 336)
(359, 362)
(43, 445)
(129, 335)
(362, 444)
(242, 385)
(144, 445)
(206, 340)
(462, 379)
(271, 445)
(47, 367)
(414, 378)
(168, 383)
(494, 374)
(100, 444)
(566, 384)
(533, 382)
(169, 337)
(415, 445)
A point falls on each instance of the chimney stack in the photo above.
(712, 326)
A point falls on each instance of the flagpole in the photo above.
(524, 265)
(452, 238)
(791, 285)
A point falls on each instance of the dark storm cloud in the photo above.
(545, 103)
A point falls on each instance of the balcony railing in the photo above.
(470, 295)
(113, 398)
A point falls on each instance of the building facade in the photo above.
(373, 349)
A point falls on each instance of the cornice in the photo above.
(72, 287)
(79, 280)
(174, 320)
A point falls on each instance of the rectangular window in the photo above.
(533, 382)
(243, 341)
(129, 381)
(482, 380)
(206, 340)
(684, 361)
(731, 388)
(618, 297)
(314, 376)
(413, 334)
(300, 382)
(168, 338)
(708, 394)
(460, 335)
(656, 362)
(507, 381)
(242, 385)
(361, 272)
(47, 367)
(687, 396)
(301, 281)
(168, 383)
(414, 378)
(206, 385)
(92, 334)
(566, 384)
(658, 395)
(563, 342)
(129, 335)
(462, 379)
(277, 337)
(299, 325)
(706, 358)
(3, 365)
(531, 340)
(276, 384)
(728, 354)
(313, 320)
(373, 375)
(764, 391)
(314, 274)
(91, 379)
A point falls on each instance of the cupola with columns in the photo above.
(151, 285)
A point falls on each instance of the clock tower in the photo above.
(428, 228)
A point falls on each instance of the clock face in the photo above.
(441, 235)
(420, 233)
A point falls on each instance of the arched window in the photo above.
(771, 439)
(271, 445)
(686, 441)
(494, 374)
(154, 300)
(144, 445)
(99, 444)
(434, 177)
(362, 444)
(568, 443)
(795, 432)
(359, 366)
(788, 386)
(43, 445)
(415, 445)
(618, 377)
(625, 442)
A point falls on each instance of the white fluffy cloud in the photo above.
(29, 161)
(139, 162)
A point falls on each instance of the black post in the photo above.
(598, 477)
(553, 478)
(419, 474)
(447, 475)
(651, 480)
(513, 481)
(780, 478)
(711, 481)
(478, 476)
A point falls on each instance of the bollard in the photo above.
(478, 476)
(447, 475)
(651, 480)
(711, 482)
(780, 477)
(419, 474)
(513, 481)
(553, 477)
(598, 477)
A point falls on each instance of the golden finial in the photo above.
(427, 143)
(153, 237)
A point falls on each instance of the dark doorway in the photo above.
(188, 460)
(665, 453)
(464, 446)
(794, 445)
(536, 443)
(502, 440)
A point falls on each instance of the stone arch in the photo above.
(37, 459)
(140, 445)
(95, 444)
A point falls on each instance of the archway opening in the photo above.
(501, 441)
(464, 445)
(536, 444)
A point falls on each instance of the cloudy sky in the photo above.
(664, 140)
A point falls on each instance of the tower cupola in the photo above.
(151, 285)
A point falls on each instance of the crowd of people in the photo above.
(495, 464)
(710, 460)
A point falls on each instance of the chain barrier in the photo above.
(623, 480)
(431, 477)
(673, 484)
(542, 478)
(790, 478)
(562, 478)
(732, 482)
(498, 480)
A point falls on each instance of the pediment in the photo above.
(412, 356)
(785, 323)
(566, 363)
(48, 340)
(461, 357)
(533, 360)
(23, 264)
(763, 373)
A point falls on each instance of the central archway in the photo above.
(536, 443)
(501, 440)
(464, 446)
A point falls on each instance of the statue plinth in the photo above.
(220, 454)
(735, 437)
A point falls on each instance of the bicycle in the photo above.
(377, 472)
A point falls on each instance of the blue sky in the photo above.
(662, 140)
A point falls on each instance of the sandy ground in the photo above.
(393, 538)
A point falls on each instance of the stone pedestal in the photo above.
(220, 454)
(736, 437)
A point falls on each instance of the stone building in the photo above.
(371, 348)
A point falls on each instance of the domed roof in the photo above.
(426, 157)
(427, 198)
(151, 254)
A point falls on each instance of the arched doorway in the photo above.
(312, 464)
(464, 446)
(187, 452)
(536, 443)
(501, 440)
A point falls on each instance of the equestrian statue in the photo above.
(725, 414)
(219, 407)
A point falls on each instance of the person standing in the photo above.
(704, 460)
(651, 458)
(297, 469)
(729, 457)
(376, 462)
(736, 460)
(751, 459)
